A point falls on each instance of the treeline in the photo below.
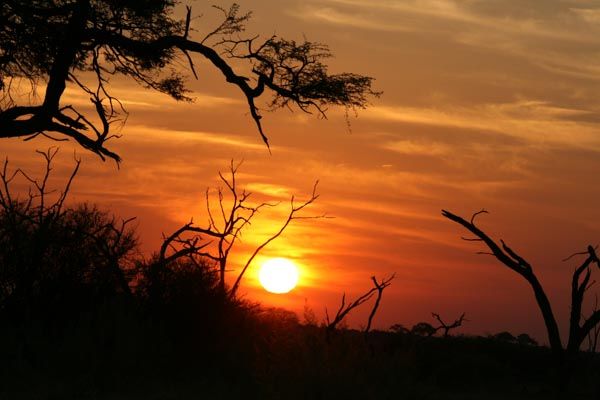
(84, 315)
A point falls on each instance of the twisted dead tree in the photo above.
(82, 44)
(579, 326)
(345, 309)
(224, 229)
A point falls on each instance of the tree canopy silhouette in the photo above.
(65, 42)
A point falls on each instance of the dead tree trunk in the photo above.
(578, 329)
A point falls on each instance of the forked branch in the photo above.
(345, 309)
(380, 287)
(448, 327)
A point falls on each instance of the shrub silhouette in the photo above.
(505, 337)
(526, 340)
(399, 328)
(55, 258)
(423, 329)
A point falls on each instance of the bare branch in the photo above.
(344, 309)
(380, 286)
(471, 239)
(482, 211)
(236, 215)
(518, 264)
(448, 327)
(515, 256)
(291, 216)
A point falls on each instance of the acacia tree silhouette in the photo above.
(224, 228)
(65, 42)
(579, 326)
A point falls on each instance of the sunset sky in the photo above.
(486, 104)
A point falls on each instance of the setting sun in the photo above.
(278, 275)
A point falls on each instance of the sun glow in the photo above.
(278, 275)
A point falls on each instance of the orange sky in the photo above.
(486, 104)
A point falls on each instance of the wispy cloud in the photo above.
(271, 190)
(553, 35)
(175, 137)
(331, 15)
(534, 121)
(138, 98)
(493, 16)
(414, 147)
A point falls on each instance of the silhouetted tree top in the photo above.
(57, 42)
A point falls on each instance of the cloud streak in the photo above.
(508, 27)
(536, 122)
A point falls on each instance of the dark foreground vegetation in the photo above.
(83, 315)
(195, 345)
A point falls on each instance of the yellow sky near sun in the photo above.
(485, 104)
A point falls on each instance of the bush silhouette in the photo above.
(56, 259)
(505, 337)
(526, 340)
(423, 329)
